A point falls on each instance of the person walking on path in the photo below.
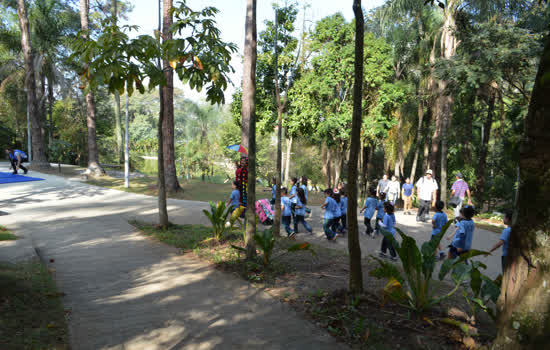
(300, 210)
(388, 223)
(426, 188)
(286, 213)
(382, 185)
(370, 206)
(460, 189)
(17, 157)
(393, 190)
(504, 239)
(407, 191)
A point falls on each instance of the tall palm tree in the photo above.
(94, 167)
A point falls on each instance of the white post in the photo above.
(126, 151)
(187, 159)
(29, 143)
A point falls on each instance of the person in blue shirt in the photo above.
(286, 212)
(504, 239)
(292, 196)
(17, 157)
(379, 211)
(301, 211)
(388, 223)
(464, 234)
(343, 210)
(336, 227)
(438, 221)
(406, 193)
(330, 206)
(235, 196)
(368, 210)
(303, 185)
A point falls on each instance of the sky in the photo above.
(231, 22)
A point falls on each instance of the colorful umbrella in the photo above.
(238, 148)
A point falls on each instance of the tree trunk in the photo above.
(170, 172)
(118, 116)
(287, 160)
(39, 159)
(524, 304)
(50, 109)
(480, 173)
(277, 213)
(354, 248)
(426, 154)
(325, 158)
(163, 210)
(418, 139)
(94, 167)
(443, 188)
(249, 121)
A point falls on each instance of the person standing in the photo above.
(504, 239)
(17, 157)
(426, 189)
(393, 190)
(382, 185)
(407, 191)
(460, 189)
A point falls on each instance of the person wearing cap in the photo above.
(460, 189)
(426, 189)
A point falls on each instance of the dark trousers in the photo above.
(286, 223)
(423, 209)
(344, 219)
(503, 263)
(369, 226)
(386, 244)
(335, 226)
(327, 227)
(14, 165)
(301, 219)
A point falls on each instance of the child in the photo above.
(235, 197)
(438, 221)
(343, 210)
(388, 223)
(370, 206)
(464, 234)
(273, 191)
(286, 212)
(330, 207)
(304, 185)
(301, 211)
(504, 239)
(292, 196)
(336, 227)
(379, 211)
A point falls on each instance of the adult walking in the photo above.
(426, 188)
(393, 189)
(382, 185)
(17, 158)
(460, 189)
(407, 191)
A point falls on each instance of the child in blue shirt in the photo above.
(330, 206)
(464, 234)
(235, 197)
(336, 227)
(438, 221)
(370, 206)
(388, 223)
(504, 239)
(273, 191)
(343, 210)
(379, 211)
(286, 213)
(301, 211)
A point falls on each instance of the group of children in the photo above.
(293, 207)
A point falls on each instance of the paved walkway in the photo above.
(128, 292)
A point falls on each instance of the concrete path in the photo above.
(125, 291)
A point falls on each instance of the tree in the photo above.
(38, 147)
(118, 115)
(524, 304)
(249, 122)
(93, 157)
(355, 272)
(199, 59)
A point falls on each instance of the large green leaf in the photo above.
(386, 271)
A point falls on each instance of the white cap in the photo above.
(429, 171)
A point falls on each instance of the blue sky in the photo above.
(231, 20)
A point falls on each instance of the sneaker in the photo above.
(291, 234)
(442, 256)
(418, 219)
(382, 255)
(25, 171)
(394, 258)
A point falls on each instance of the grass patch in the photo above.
(6, 235)
(31, 312)
(185, 237)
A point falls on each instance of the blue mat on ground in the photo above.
(7, 178)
